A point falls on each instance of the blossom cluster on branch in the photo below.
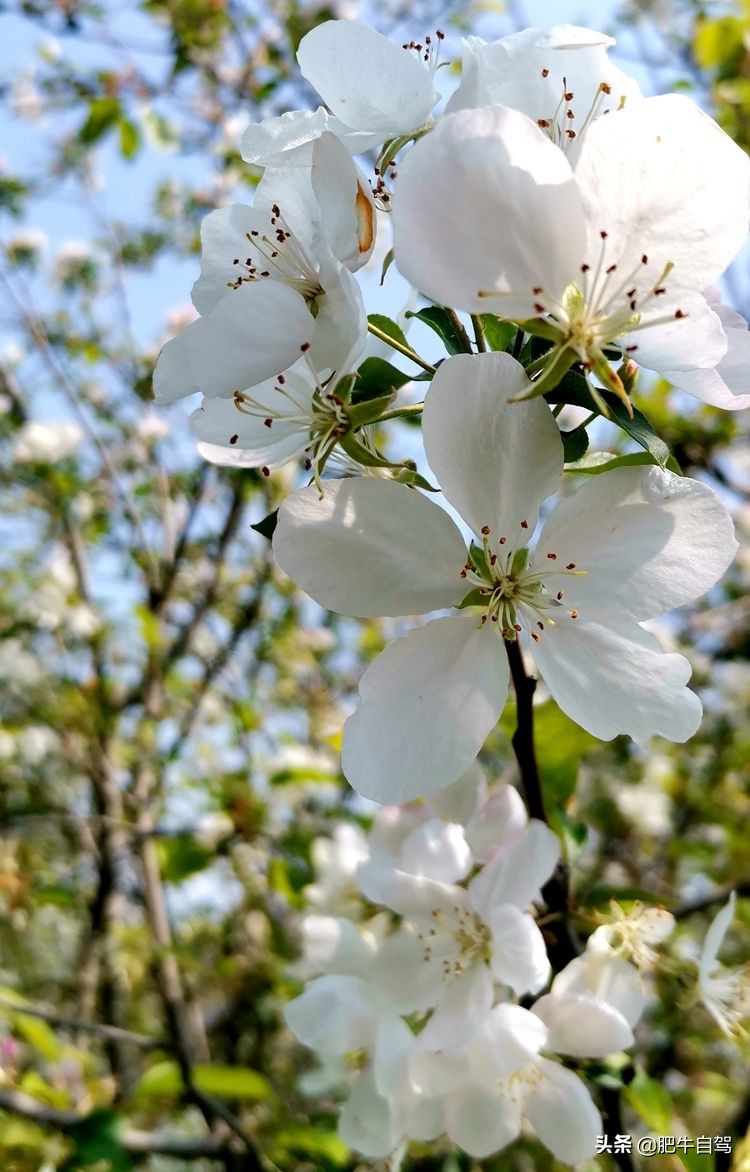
(568, 232)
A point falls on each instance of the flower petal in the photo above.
(365, 80)
(463, 1006)
(335, 1014)
(370, 548)
(437, 850)
(495, 461)
(519, 954)
(562, 1113)
(480, 1121)
(460, 801)
(616, 679)
(646, 539)
(366, 1122)
(428, 703)
(583, 1026)
(516, 873)
(251, 334)
(487, 203)
(498, 822)
(665, 181)
(509, 1038)
(333, 945)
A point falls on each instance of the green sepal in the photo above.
(386, 264)
(478, 562)
(539, 328)
(413, 479)
(370, 410)
(474, 598)
(343, 388)
(361, 454)
(558, 366)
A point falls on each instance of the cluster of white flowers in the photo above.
(568, 231)
(429, 1002)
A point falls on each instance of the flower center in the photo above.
(279, 255)
(458, 940)
(510, 590)
(560, 126)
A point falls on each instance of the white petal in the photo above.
(428, 704)
(334, 1015)
(252, 334)
(648, 540)
(223, 239)
(663, 180)
(519, 955)
(695, 339)
(498, 822)
(562, 1113)
(413, 896)
(340, 332)
(463, 1006)
(715, 937)
(583, 1026)
(367, 81)
(459, 801)
(608, 978)
(245, 440)
(616, 679)
(267, 142)
(485, 202)
(480, 1122)
(366, 1122)
(393, 1044)
(496, 461)
(334, 945)
(531, 69)
(509, 1038)
(434, 1072)
(370, 548)
(517, 872)
(437, 850)
(404, 980)
(728, 385)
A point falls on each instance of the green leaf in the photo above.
(227, 1082)
(130, 138)
(386, 264)
(375, 377)
(575, 444)
(103, 114)
(651, 1101)
(639, 429)
(500, 334)
(181, 856)
(40, 1036)
(387, 326)
(560, 745)
(313, 1142)
(440, 321)
(267, 526)
(96, 1144)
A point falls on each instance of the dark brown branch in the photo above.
(562, 943)
(132, 1140)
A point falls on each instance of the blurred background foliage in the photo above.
(172, 707)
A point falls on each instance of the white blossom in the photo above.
(725, 992)
(618, 552)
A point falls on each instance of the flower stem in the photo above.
(458, 326)
(405, 350)
(562, 943)
(561, 940)
(401, 412)
(479, 338)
